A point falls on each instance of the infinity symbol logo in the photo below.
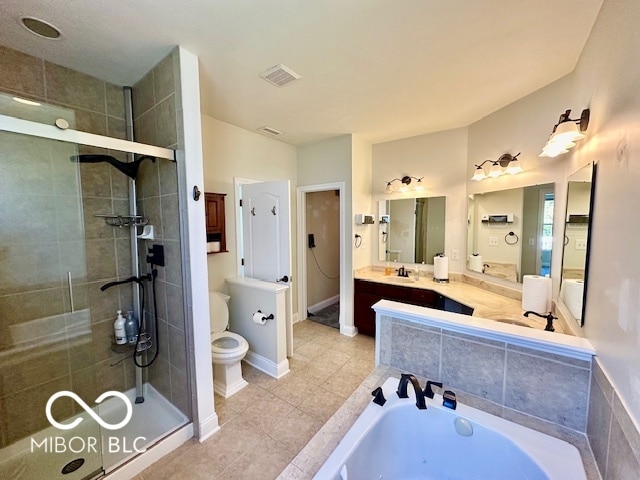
(89, 410)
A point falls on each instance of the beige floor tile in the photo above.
(264, 463)
(294, 389)
(295, 430)
(322, 404)
(268, 423)
(266, 411)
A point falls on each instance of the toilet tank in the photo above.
(218, 311)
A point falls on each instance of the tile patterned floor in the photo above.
(265, 425)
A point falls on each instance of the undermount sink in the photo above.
(403, 279)
(512, 322)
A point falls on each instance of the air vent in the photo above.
(270, 131)
(280, 75)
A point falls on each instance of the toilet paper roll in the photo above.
(535, 293)
(258, 318)
(572, 296)
(441, 267)
(475, 263)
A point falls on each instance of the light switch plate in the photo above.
(493, 241)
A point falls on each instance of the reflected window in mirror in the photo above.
(411, 230)
(575, 255)
(510, 232)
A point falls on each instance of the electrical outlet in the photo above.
(532, 242)
(581, 244)
(493, 241)
(455, 254)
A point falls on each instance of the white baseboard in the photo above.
(295, 318)
(144, 460)
(348, 330)
(276, 370)
(323, 304)
(208, 427)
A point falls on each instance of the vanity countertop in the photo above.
(488, 300)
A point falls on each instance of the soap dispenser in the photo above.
(118, 329)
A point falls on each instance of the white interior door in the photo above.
(266, 237)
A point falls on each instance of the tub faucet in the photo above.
(405, 378)
(549, 316)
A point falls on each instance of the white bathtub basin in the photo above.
(399, 442)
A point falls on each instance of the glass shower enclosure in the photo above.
(75, 243)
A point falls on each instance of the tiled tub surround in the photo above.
(488, 300)
(528, 376)
(614, 437)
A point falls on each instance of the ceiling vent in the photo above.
(280, 75)
(270, 131)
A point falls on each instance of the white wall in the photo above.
(442, 159)
(606, 81)
(230, 152)
(362, 170)
(328, 162)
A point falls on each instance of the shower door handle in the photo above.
(73, 309)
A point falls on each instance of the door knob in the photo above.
(284, 279)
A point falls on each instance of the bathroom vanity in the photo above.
(463, 294)
(367, 293)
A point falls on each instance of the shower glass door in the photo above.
(45, 325)
(66, 268)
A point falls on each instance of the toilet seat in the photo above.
(228, 344)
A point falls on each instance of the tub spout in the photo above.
(405, 378)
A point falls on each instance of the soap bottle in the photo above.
(131, 327)
(118, 329)
(387, 270)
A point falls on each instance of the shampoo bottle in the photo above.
(118, 329)
(131, 327)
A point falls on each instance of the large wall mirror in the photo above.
(575, 255)
(510, 232)
(411, 230)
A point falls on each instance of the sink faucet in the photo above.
(549, 316)
(405, 378)
(402, 272)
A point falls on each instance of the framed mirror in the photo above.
(411, 230)
(575, 255)
(510, 232)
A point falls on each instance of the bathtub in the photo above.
(398, 441)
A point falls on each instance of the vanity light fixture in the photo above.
(565, 133)
(406, 181)
(507, 163)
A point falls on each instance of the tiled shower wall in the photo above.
(83, 361)
(156, 100)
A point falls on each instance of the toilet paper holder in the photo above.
(268, 317)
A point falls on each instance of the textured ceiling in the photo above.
(380, 68)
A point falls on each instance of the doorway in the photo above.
(323, 257)
(321, 268)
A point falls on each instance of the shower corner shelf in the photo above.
(123, 220)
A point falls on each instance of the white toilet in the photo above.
(227, 348)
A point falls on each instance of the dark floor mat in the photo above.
(329, 316)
